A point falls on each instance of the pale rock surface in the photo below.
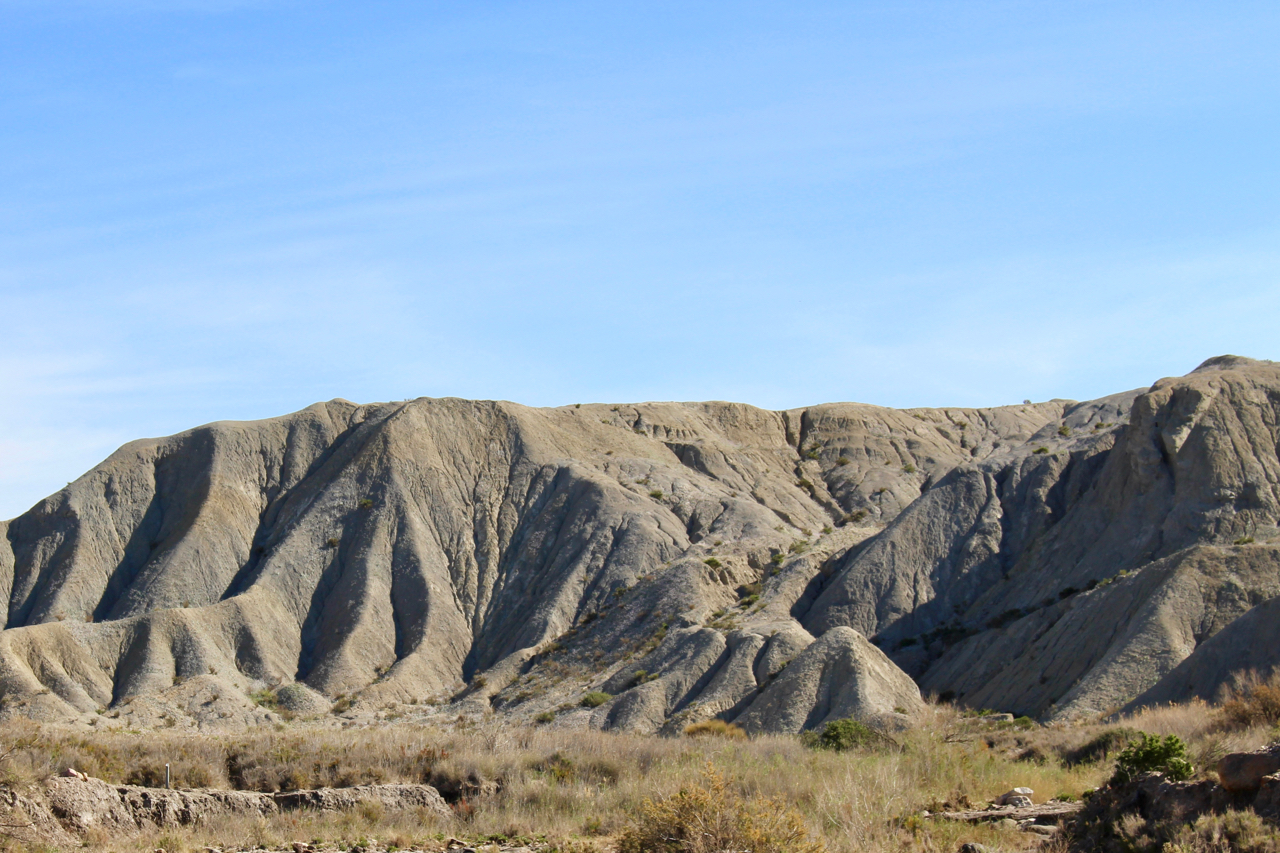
(1056, 559)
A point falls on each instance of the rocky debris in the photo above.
(1051, 811)
(1159, 801)
(82, 803)
(1267, 800)
(1039, 829)
(391, 797)
(1243, 772)
(372, 555)
(1017, 797)
(372, 845)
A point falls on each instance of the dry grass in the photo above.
(1253, 701)
(575, 787)
(715, 728)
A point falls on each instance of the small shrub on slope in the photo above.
(715, 728)
(712, 817)
(1149, 752)
(595, 699)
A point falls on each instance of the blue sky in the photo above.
(229, 210)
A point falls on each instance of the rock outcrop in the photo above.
(688, 560)
(82, 804)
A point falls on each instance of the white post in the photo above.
(166, 775)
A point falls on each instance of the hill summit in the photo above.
(647, 566)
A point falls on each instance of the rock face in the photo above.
(689, 560)
(1243, 772)
(81, 804)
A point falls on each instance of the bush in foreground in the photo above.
(842, 736)
(712, 817)
(1149, 752)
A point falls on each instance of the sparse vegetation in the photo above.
(1064, 431)
(1149, 752)
(656, 494)
(712, 562)
(713, 816)
(595, 699)
(572, 784)
(1041, 451)
(1253, 701)
(909, 468)
(844, 735)
(715, 728)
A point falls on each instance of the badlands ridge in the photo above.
(646, 566)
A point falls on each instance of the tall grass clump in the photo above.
(711, 817)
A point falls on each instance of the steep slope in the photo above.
(690, 560)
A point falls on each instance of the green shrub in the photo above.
(1148, 753)
(842, 736)
(366, 503)
(545, 717)
(265, 698)
(1041, 451)
(595, 699)
(908, 468)
(712, 562)
(843, 460)
(656, 494)
(1064, 431)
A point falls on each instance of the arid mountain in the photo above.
(688, 560)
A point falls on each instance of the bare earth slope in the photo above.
(689, 560)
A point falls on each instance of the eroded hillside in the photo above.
(682, 561)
